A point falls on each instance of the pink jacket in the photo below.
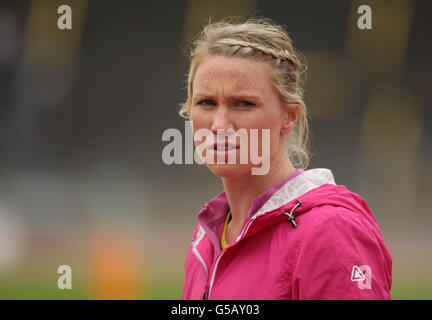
(312, 239)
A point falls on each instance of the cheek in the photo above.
(197, 120)
(274, 142)
(272, 125)
(200, 127)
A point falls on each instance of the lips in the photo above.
(224, 147)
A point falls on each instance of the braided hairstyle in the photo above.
(262, 39)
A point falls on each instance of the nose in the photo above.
(222, 120)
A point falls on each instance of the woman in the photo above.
(290, 233)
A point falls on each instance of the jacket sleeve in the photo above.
(342, 257)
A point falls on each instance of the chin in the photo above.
(229, 170)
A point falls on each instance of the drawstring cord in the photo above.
(291, 214)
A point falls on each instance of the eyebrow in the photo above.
(231, 97)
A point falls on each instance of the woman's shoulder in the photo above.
(337, 220)
(331, 205)
(333, 214)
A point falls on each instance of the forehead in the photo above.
(236, 74)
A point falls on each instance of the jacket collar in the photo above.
(213, 213)
(308, 180)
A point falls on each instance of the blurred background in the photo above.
(82, 112)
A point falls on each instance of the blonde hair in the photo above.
(262, 39)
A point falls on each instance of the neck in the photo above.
(241, 191)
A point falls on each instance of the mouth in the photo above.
(223, 146)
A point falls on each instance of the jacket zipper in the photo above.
(213, 274)
(208, 287)
(205, 290)
(198, 255)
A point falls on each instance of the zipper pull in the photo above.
(206, 288)
(205, 291)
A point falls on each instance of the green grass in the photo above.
(161, 288)
(405, 290)
(45, 288)
(37, 289)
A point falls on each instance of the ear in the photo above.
(290, 117)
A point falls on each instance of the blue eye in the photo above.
(206, 102)
(245, 103)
